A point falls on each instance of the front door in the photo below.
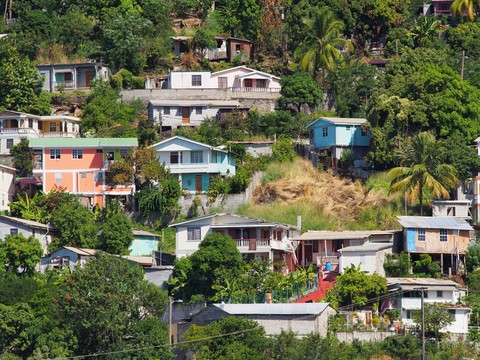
(308, 254)
(198, 183)
(89, 75)
(185, 115)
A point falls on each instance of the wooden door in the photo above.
(185, 115)
(308, 254)
(198, 183)
(89, 75)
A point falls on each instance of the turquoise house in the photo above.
(334, 135)
(144, 243)
(194, 163)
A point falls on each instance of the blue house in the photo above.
(337, 134)
(144, 243)
(194, 163)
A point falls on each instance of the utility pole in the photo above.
(422, 289)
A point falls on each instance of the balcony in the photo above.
(253, 244)
(58, 134)
(255, 89)
(18, 131)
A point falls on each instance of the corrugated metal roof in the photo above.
(341, 235)
(421, 281)
(437, 222)
(82, 142)
(139, 232)
(366, 247)
(253, 221)
(30, 223)
(140, 260)
(340, 121)
(273, 309)
(81, 251)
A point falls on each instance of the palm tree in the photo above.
(421, 168)
(470, 7)
(322, 42)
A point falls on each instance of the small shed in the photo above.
(66, 257)
(144, 243)
(370, 257)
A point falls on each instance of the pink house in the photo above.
(79, 165)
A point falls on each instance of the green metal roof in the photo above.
(82, 142)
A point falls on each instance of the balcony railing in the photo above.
(252, 244)
(255, 89)
(17, 130)
(58, 134)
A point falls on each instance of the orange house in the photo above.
(79, 165)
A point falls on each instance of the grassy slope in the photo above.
(324, 201)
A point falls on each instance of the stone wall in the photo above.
(263, 101)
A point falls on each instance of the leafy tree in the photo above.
(162, 197)
(16, 289)
(320, 47)
(109, 306)
(75, 226)
(116, 236)
(472, 258)
(20, 83)
(437, 318)
(473, 281)
(20, 254)
(461, 155)
(353, 83)
(241, 18)
(299, 89)
(422, 168)
(22, 158)
(397, 40)
(282, 150)
(216, 261)
(249, 341)
(355, 288)
(147, 165)
(403, 347)
(426, 267)
(120, 172)
(13, 323)
(399, 266)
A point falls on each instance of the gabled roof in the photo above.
(273, 309)
(245, 68)
(189, 141)
(342, 235)
(252, 221)
(434, 222)
(33, 224)
(82, 142)
(410, 283)
(139, 232)
(340, 121)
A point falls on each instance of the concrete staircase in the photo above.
(323, 285)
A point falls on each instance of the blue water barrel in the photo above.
(328, 266)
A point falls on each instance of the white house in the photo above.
(12, 226)
(16, 126)
(256, 238)
(7, 186)
(437, 291)
(194, 162)
(370, 257)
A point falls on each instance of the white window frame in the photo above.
(325, 131)
(123, 152)
(443, 235)
(58, 178)
(421, 235)
(10, 143)
(196, 157)
(77, 154)
(194, 233)
(55, 154)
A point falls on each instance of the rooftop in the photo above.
(342, 235)
(437, 222)
(33, 224)
(341, 121)
(139, 232)
(273, 309)
(366, 247)
(409, 283)
(82, 142)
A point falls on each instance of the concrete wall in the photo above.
(263, 101)
(363, 336)
(41, 235)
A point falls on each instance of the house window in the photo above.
(310, 136)
(222, 82)
(58, 178)
(364, 132)
(99, 151)
(443, 235)
(77, 154)
(408, 314)
(53, 127)
(248, 83)
(194, 233)
(348, 128)
(30, 123)
(421, 234)
(198, 110)
(123, 152)
(325, 131)
(456, 232)
(100, 176)
(439, 294)
(83, 175)
(261, 83)
(196, 157)
(13, 231)
(196, 80)
(9, 143)
(110, 155)
(54, 154)
(175, 157)
(166, 110)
